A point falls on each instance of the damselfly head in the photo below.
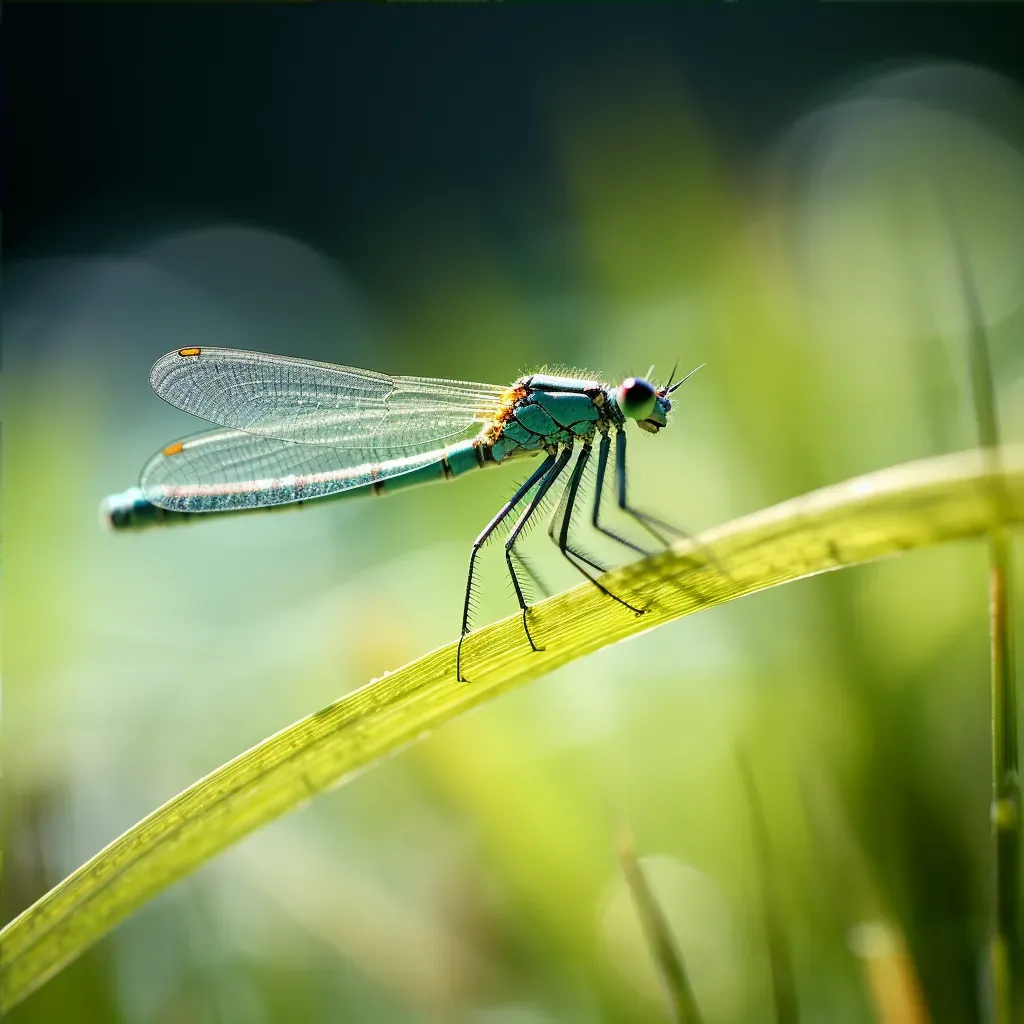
(639, 400)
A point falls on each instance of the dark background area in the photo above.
(315, 122)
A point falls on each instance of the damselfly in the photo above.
(294, 430)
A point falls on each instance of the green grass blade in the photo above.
(873, 933)
(784, 993)
(668, 961)
(1004, 940)
(870, 517)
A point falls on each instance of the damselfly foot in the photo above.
(526, 630)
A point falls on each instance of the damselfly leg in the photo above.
(602, 466)
(542, 470)
(542, 490)
(563, 518)
(650, 523)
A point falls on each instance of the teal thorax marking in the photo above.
(554, 411)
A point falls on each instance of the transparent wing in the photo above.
(320, 403)
(223, 470)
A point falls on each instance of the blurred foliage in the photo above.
(473, 877)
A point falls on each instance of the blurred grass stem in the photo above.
(668, 961)
(784, 994)
(873, 934)
(1004, 942)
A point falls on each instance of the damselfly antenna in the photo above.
(680, 383)
(672, 375)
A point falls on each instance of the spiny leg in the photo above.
(524, 568)
(502, 514)
(524, 518)
(556, 516)
(649, 522)
(565, 510)
(556, 519)
(595, 518)
(563, 503)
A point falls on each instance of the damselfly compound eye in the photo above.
(636, 398)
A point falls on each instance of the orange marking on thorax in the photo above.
(186, 352)
(504, 414)
(173, 449)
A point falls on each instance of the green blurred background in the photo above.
(473, 193)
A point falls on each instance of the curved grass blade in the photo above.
(866, 518)
(873, 934)
(668, 960)
(1004, 950)
(780, 962)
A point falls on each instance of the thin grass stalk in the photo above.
(784, 994)
(1004, 940)
(873, 935)
(668, 961)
